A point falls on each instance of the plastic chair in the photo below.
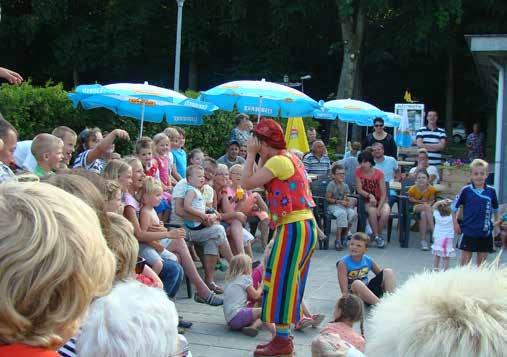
(322, 216)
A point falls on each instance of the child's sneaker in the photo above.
(212, 299)
(303, 323)
(424, 245)
(380, 242)
(338, 245)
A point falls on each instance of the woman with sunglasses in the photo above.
(379, 135)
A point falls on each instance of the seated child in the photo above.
(250, 203)
(203, 227)
(422, 196)
(50, 274)
(239, 287)
(48, 152)
(353, 270)
(153, 251)
(347, 311)
(125, 247)
(113, 201)
(443, 234)
(340, 206)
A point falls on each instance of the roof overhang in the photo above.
(488, 51)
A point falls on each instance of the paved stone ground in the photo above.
(210, 336)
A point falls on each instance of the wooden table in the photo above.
(406, 163)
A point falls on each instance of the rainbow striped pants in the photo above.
(286, 271)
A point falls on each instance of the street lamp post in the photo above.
(303, 81)
(178, 46)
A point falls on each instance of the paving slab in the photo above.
(210, 336)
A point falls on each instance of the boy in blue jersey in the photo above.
(479, 203)
(354, 268)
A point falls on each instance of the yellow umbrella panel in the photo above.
(295, 135)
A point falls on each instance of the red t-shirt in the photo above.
(20, 350)
(371, 183)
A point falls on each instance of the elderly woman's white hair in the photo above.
(133, 320)
(460, 312)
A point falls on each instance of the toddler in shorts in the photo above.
(239, 287)
(153, 251)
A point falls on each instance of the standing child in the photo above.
(48, 151)
(354, 268)
(162, 145)
(340, 206)
(155, 251)
(479, 203)
(238, 288)
(144, 152)
(179, 154)
(443, 234)
(347, 311)
(422, 196)
(174, 139)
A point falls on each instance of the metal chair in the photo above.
(404, 215)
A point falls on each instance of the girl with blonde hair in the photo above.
(52, 267)
(238, 289)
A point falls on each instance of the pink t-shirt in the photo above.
(257, 273)
(128, 200)
(347, 333)
(371, 183)
(163, 169)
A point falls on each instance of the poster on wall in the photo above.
(415, 113)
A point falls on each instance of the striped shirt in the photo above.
(96, 165)
(429, 136)
(69, 349)
(316, 166)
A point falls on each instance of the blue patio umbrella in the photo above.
(393, 120)
(352, 111)
(143, 102)
(261, 98)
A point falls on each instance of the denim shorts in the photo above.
(171, 276)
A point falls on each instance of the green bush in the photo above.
(33, 110)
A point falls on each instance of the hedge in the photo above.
(33, 109)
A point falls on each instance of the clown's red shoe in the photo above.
(279, 347)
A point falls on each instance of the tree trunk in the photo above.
(353, 24)
(193, 73)
(75, 77)
(449, 94)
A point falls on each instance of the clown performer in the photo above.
(289, 199)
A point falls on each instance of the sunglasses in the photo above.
(378, 125)
(141, 262)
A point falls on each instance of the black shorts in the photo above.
(472, 244)
(375, 284)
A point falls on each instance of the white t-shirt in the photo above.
(432, 170)
(235, 295)
(443, 226)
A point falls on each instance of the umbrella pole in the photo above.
(142, 121)
(346, 137)
(259, 112)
